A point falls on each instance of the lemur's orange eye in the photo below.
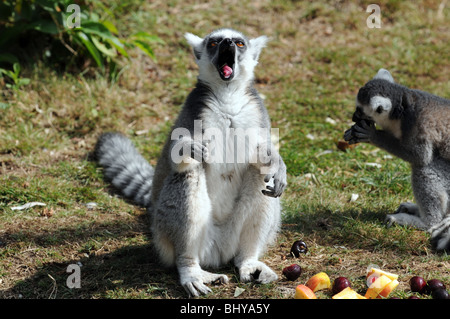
(240, 44)
(213, 44)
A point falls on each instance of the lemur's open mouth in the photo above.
(225, 61)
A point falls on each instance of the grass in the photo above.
(319, 55)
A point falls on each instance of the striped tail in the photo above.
(124, 167)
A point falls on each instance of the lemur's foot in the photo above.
(257, 271)
(408, 208)
(194, 280)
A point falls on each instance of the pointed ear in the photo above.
(195, 42)
(257, 45)
(384, 74)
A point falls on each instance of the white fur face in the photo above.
(378, 110)
(226, 55)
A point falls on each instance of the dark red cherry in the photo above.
(440, 293)
(340, 283)
(417, 284)
(292, 272)
(432, 285)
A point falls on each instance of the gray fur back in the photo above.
(124, 167)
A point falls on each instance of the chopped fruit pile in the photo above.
(381, 287)
(375, 273)
(380, 283)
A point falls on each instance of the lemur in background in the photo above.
(415, 126)
(206, 213)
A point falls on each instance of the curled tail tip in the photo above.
(105, 139)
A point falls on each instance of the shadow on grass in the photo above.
(356, 229)
(133, 271)
(126, 272)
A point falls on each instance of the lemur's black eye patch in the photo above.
(240, 43)
(379, 109)
(213, 42)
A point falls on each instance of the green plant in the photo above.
(14, 76)
(48, 21)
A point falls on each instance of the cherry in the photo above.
(432, 285)
(292, 272)
(417, 284)
(340, 284)
(440, 293)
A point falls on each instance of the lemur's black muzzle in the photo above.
(226, 58)
(227, 45)
(358, 115)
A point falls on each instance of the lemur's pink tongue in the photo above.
(227, 71)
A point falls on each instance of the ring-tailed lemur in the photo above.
(205, 210)
(415, 126)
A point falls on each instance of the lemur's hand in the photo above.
(189, 148)
(361, 132)
(273, 167)
(349, 137)
(199, 152)
(279, 181)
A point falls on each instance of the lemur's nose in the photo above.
(227, 45)
(228, 41)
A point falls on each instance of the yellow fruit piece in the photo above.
(348, 293)
(304, 292)
(377, 286)
(318, 282)
(388, 289)
(375, 272)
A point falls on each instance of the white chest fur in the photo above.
(231, 129)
